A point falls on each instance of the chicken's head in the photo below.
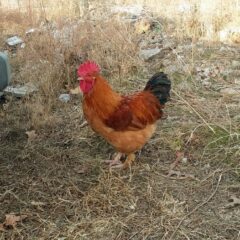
(87, 73)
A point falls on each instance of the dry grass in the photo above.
(58, 178)
(196, 19)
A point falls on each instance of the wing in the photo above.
(135, 112)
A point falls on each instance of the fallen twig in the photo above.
(13, 194)
(84, 124)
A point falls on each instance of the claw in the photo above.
(120, 165)
(113, 162)
(116, 160)
(117, 163)
(126, 164)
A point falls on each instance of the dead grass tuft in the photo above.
(57, 178)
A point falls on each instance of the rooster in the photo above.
(126, 122)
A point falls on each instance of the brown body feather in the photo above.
(126, 122)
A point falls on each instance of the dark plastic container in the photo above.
(4, 71)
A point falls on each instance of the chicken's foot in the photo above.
(115, 161)
(127, 163)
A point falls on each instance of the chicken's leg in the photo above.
(127, 163)
(115, 161)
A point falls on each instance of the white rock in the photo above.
(184, 160)
(21, 91)
(31, 30)
(23, 45)
(128, 9)
(13, 41)
(64, 97)
(147, 54)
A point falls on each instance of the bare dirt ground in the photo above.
(56, 175)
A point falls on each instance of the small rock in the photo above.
(23, 45)
(148, 54)
(184, 160)
(64, 97)
(30, 31)
(14, 41)
(230, 91)
(133, 10)
(21, 91)
(132, 207)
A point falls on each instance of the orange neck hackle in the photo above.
(102, 98)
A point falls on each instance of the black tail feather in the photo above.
(159, 85)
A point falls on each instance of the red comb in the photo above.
(87, 68)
